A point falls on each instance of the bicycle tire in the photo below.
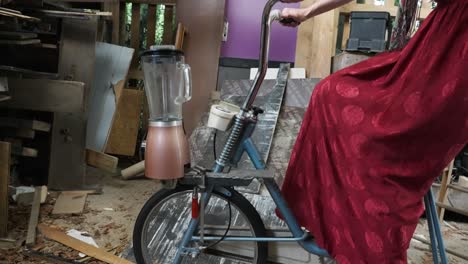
(240, 202)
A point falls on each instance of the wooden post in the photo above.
(34, 217)
(135, 33)
(346, 32)
(151, 26)
(115, 9)
(179, 42)
(123, 36)
(5, 150)
(168, 25)
(443, 192)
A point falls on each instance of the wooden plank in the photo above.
(101, 160)
(124, 132)
(20, 42)
(46, 95)
(97, 253)
(135, 33)
(17, 35)
(151, 26)
(115, 9)
(18, 149)
(458, 188)
(346, 32)
(70, 202)
(6, 243)
(168, 35)
(25, 152)
(34, 217)
(451, 208)
(25, 123)
(180, 35)
(16, 15)
(5, 159)
(17, 132)
(57, 13)
(316, 43)
(443, 193)
(10, 10)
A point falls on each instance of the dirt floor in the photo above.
(109, 219)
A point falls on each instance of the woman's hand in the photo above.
(293, 17)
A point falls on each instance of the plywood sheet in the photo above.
(123, 136)
(112, 65)
(70, 202)
(316, 43)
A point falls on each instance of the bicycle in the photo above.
(161, 217)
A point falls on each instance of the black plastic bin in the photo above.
(369, 31)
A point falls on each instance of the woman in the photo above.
(375, 137)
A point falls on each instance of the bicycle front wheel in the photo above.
(164, 218)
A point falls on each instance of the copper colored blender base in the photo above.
(166, 151)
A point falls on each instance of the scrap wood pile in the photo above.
(58, 244)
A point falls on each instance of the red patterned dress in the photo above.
(375, 137)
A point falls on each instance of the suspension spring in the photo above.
(226, 154)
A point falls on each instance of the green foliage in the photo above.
(143, 24)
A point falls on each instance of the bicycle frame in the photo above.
(240, 142)
(299, 235)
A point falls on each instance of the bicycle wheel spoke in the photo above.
(165, 223)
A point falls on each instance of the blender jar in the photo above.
(167, 83)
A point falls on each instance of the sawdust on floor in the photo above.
(109, 218)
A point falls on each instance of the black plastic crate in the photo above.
(369, 31)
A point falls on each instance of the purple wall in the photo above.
(244, 17)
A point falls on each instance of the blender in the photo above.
(167, 85)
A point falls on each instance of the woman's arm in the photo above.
(317, 8)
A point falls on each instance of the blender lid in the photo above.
(162, 50)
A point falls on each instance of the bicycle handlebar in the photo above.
(267, 18)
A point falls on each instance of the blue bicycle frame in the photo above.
(299, 235)
(240, 142)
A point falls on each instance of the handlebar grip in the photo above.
(287, 21)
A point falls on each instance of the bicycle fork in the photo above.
(192, 227)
